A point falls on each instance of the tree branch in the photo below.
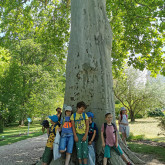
(143, 5)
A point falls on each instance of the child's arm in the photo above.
(87, 129)
(102, 139)
(93, 137)
(116, 138)
(74, 131)
(119, 120)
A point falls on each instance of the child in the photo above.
(67, 139)
(93, 132)
(48, 153)
(123, 124)
(45, 125)
(59, 113)
(110, 140)
(80, 127)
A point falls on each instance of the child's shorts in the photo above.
(82, 147)
(122, 128)
(107, 151)
(66, 142)
(47, 155)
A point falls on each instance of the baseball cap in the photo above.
(68, 108)
(54, 118)
(90, 114)
(123, 109)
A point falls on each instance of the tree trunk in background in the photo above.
(88, 70)
(132, 115)
(1, 124)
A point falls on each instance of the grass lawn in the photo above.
(14, 134)
(158, 151)
(146, 129)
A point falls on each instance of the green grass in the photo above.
(14, 134)
(147, 149)
(146, 129)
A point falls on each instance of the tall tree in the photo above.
(88, 70)
(4, 65)
(135, 90)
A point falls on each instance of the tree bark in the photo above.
(88, 69)
(1, 124)
(132, 115)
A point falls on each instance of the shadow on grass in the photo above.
(143, 122)
(158, 151)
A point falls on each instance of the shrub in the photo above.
(162, 123)
(138, 116)
(155, 113)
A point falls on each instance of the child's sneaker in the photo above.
(129, 163)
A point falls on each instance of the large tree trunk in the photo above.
(88, 70)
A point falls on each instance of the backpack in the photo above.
(105, 126)
(63, 121)
(92, 129)
(74, 116)
(45, 124)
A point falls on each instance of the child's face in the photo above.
(109, 118)
(90, 119)
(52, 122)
(58, 111)
(68, 113)
(80, 110)
(124, 112)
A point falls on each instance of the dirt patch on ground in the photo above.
(29, 151)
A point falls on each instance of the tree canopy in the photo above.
(138, 92)
(138, 29)
(34, 37)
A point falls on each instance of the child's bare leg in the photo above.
(124, 138)
(80, 161)
(105, 161)
(85, 161)
(124, 158)
(44, 163)
(67, 158)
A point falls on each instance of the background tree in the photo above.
(34, 83)
(4, 64)
(138, 92)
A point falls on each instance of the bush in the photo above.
(155, 113)
(138, 116)
(162, 123)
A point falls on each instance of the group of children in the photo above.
(80, 128)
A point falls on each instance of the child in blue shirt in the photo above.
(92, 135)
(67, 138)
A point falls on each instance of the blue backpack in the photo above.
(92, 129)
(74, 116)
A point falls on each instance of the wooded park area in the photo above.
(97, 41)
